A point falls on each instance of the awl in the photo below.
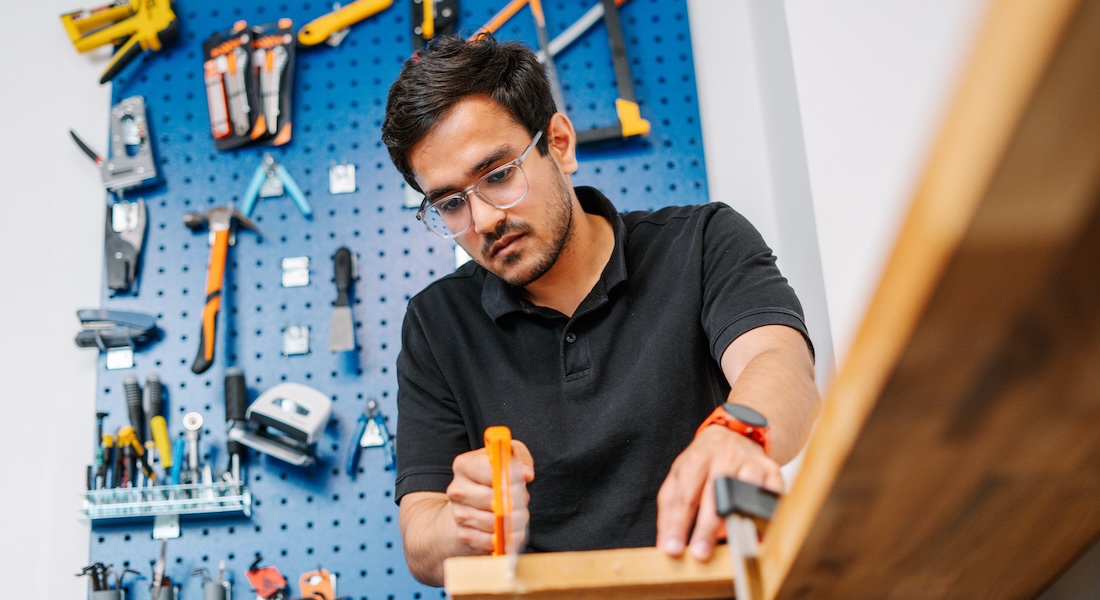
(342, 333)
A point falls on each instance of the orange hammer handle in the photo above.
(215, 275)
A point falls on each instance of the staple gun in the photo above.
(136, 26)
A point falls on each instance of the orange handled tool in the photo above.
(498, 442)
(221, 222)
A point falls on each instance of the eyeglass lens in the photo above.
(502, 187)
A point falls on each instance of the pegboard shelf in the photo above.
(187, 499)
(300, 518)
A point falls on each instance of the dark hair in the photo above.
(450, 69)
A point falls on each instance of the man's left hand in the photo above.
(687, 494)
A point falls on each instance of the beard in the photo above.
(560, 212)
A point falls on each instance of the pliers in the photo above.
(370, 431)
(271, 179)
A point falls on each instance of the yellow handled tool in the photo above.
(319, 29)
(126, 437)
(133, 26)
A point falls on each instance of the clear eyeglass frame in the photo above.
(463, 196)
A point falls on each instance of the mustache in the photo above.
(503, 229)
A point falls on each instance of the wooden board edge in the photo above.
(1011, 55)
(621, 573)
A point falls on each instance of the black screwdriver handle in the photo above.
(154, 399)
(133, 405)
(236, 401)
(341, 264)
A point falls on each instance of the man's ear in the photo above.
(562, 140)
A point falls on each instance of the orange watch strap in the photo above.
(721, 416)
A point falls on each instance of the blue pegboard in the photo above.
(305, 518)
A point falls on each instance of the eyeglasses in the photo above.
(503, 187)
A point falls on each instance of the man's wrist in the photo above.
(742, 420)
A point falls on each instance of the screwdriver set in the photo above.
(314, 293)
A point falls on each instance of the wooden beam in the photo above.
(624, 574)
(957, 451)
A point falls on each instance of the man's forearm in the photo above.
(778, 381)
(429, 533)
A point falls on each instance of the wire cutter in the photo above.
(370, 432)
(271, 179)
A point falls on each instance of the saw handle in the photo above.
(214, 277)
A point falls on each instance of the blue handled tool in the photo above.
(370, 432)
(272, 179)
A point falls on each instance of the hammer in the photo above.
(221, 222)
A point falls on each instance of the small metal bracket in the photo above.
(166, 527)
(295, 271)
(120, 357)
(296, 340)
(341, 178)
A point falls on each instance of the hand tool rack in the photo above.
(183, 499)
(299, 518)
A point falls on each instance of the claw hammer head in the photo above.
(222, 218)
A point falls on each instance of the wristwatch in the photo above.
(740, 419)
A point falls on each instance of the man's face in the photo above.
(519, 244)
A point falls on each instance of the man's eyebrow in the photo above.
(473, 173)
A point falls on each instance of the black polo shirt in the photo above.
(606, 399)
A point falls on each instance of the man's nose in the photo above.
(485, 216)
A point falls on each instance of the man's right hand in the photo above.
(471, 492)
(435, 526)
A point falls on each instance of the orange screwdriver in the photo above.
(498, 443)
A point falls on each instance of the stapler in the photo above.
(284, 422)
(116, 332)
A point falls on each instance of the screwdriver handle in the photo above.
(236, 401)
(154, 401)
(133, 404)
(498, 443)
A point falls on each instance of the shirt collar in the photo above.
(499, 299)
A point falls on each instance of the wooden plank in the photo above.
(957, 453)
(624, 574)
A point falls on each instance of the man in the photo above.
(603, 340)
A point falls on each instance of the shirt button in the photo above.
(570, 337)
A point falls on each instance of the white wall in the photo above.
(51, 246)
(873, 81)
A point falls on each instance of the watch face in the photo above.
(745, 414)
